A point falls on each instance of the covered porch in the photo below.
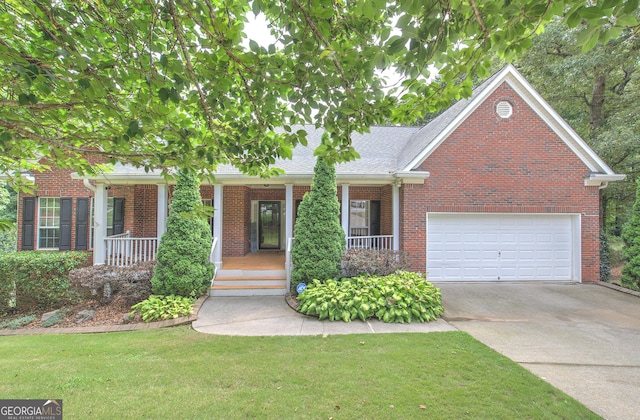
(252, 222)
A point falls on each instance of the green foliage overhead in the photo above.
(183, 266)
(631, 237)
(176, 83)
(400, 297)
(319, 239)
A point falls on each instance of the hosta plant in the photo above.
(400, 297)
(163, 307)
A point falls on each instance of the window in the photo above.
(359, 218)
(48, 222)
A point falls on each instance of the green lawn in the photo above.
(179, 373)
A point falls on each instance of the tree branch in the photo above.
(38, 106)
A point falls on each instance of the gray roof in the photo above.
(378, 151)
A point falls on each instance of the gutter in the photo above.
(602, 180)
(88, 184)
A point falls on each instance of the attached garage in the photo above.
(503, 247)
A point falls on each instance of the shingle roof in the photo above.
(378, 151)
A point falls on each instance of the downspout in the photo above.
(88, 184)
(604, 185)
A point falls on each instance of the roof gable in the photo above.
(430, 137)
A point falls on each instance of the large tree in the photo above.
(597, 93)
(176, 83)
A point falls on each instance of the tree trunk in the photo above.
(597, 97)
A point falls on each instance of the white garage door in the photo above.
(507, 247)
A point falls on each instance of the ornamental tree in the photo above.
(319, 239)
(175, 83)
(183, 266)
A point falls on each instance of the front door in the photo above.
(269, 224)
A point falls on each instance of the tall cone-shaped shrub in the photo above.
(631, 237)
(319, 239)
(183, 266)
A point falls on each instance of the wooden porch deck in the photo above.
(261, 260)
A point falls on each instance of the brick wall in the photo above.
(515, 165)
(54, 183)
(236, 221)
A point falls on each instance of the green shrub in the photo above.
(38, 279)
(57, 318)
(319, 238)
(163, 307)
(631, 237)
(183, 266)
(358, 262)
(400, 297)
(16, 323)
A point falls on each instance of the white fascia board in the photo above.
(412, 177)
(28, 176)
(239, 179)
(124, 178)
(601, 180)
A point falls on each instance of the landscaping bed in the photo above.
(112, 313)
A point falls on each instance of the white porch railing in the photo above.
(123, 250)
(378, 242)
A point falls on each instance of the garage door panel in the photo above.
(500, 247)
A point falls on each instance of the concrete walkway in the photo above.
(270, 315)
(583, 339)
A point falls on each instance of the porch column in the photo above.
(345, 209)
(163, 198)
(395, 196)
(100, 225)
(288, 211)
(217, 224)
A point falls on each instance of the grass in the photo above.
(179, 373)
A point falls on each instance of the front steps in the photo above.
(249, 283)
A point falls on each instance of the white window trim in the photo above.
(40, 219)
(366, 206)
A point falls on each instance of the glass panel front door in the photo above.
(269, 224)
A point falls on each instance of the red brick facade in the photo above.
(514, 165)
(487, 165)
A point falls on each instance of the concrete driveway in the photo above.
(583, 339)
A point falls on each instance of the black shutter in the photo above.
(374, 214)
(82, 223)
(118, 216)
(65, 224)
(28, 222)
